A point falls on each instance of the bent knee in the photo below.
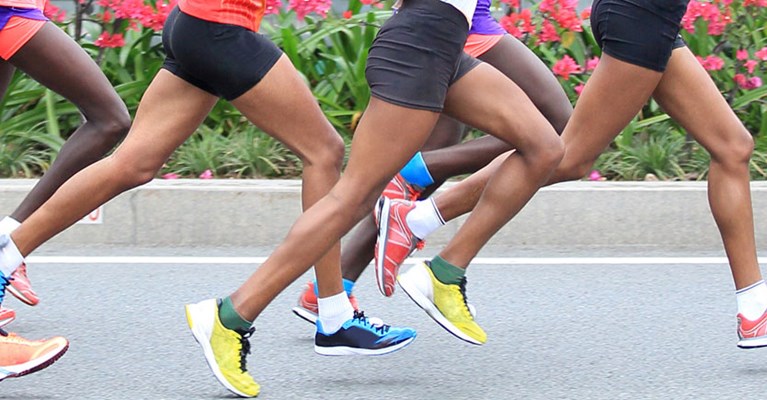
(737, 150)
(328, 155)
(133, 171)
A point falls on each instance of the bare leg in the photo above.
(52, 58)
(688, 95)
(157, 131)
(622, 86)
(386, 138)
(310, 136)
(474, 99)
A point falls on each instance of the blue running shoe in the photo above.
(359, 336)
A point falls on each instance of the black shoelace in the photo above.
(245, 348)
(360, 315)
(462, 287)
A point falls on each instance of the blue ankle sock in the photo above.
(415, 172)
(348, 286)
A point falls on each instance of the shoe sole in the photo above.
(24, 299)
(752, 343)
(352, 351)
(305, 315)
(384, 208)
(431, 310)
(198, 332)
(17, 371)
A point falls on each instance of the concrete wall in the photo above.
(259, 213)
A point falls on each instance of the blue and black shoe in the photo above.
(358, 336)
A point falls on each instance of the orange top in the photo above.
(244, 13)
(23, 3)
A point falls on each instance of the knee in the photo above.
(112, 125)
(736, 151)
(329, 155)
(572, 170)
(132, 171)
(548, 151)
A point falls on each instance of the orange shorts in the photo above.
(477, 45)
(16, 34)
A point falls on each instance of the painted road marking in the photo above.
(478, 261)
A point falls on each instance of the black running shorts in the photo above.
(639, 32)
(418, 54)
(222, 59)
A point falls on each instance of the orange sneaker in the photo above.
(21, 288)
(752, 334)
(6, 316)
(395, 242)
(19, 356)
(399, 189)
(307, 308)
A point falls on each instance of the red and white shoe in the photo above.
(752, 334)
(6, 316)
(19, 356)
(21, 288)
(399, 189)
(395, 242)
(307, 308)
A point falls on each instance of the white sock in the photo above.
(752, 300)
(424, 218)
(10, 256)
(334, 311)
(8, 225)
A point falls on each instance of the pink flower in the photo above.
(171, 175)
(595, 176)
(106, 40)
(741, 54)
(511, 3)
(549, 32)
(273, 7)
(711, 63)
(586, 13)
(54, 13)
(591, 64)
(750, 65)
(208, 174)
(579, 88)
(518, 24)
(565, 67)
(762, 54)
(306, 7)
(754, 82)
(740, 79)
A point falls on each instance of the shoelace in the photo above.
(245, 348)
(360, 315)
(462, 288)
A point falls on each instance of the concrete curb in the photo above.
(259, 212)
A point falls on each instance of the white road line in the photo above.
(479, 261)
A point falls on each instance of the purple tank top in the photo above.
(29, 13)
(482, 23)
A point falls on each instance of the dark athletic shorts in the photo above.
(418, 54)
(221, 59)
(639, 32)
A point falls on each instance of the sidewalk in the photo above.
(259, 212)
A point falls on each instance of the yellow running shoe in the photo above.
(225, 350)
(445, 304)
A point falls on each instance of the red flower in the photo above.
(549, 32)
(750, 65)
(348, 14)
(566, 66)
(518, 24)
(592, 63)
(741, 54)
(711, 63)
(762, 54)
(107, 40)
(54, 13)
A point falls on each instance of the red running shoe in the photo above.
(19, 356)
(395, 242)
(752, 334)
(399, 189)
(22, 288)
(307, 308)
(6, 316)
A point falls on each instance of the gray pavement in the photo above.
(555, 332)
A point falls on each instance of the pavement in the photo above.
(562, 330)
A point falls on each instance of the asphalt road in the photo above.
(618, 331)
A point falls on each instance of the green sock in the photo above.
(445, 272)
(229, 317)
